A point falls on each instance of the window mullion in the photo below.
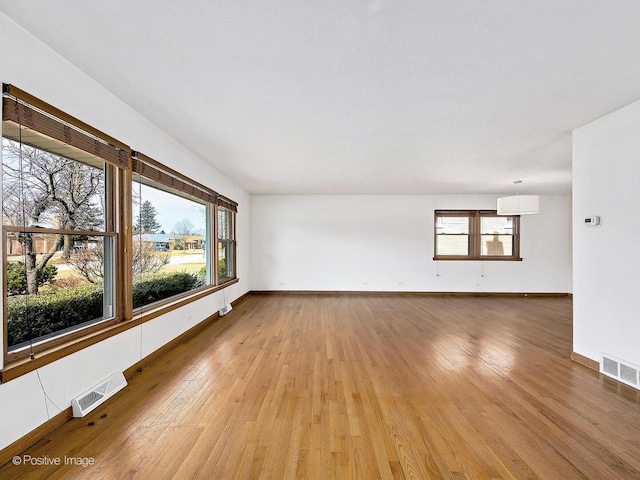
(516, 236)
(474, 229)
(215, 260)
(234, 270)
(210, 224)
(124, 254)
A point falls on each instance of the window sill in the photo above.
(478, 259)
(20, 363)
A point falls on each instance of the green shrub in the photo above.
(222, 268)
(153, 287)
(17, 277)
(34, 316)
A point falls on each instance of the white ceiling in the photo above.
(360, 96)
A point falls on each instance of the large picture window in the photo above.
(476, 235)
(56, 181)
(96, 238)
(171, 233)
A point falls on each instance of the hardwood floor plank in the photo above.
(348, 386)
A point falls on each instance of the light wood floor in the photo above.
(363, 387)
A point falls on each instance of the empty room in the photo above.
(320, 240)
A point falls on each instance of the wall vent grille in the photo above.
(90, 399)
(621, 370)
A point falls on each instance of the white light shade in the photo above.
(518, 205)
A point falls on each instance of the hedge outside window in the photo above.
(476, 235)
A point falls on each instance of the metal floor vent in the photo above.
(90, 399)
(621, 370)
(225, 309)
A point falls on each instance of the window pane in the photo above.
(169, 243)
(496, 225)
(49, 190)
(225, 260)
(48, 295)
(452, 225)
(497, 245)
(452, 245)
(225, 224)
(56, 282)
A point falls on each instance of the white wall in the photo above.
(606, 182)
(33, 67)
(385, 243)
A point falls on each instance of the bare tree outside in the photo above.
(89, 261)
(147, 260)
(44, 189)
(182, 230)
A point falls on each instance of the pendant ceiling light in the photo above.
(518, 204)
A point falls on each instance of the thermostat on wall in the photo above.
(592, 221)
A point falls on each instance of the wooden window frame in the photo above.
(42, 125)
(170, 178)
(51, 122)
(475, 236)
(232, 208)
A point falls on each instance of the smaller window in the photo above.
(226, 245)
(476, 235)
